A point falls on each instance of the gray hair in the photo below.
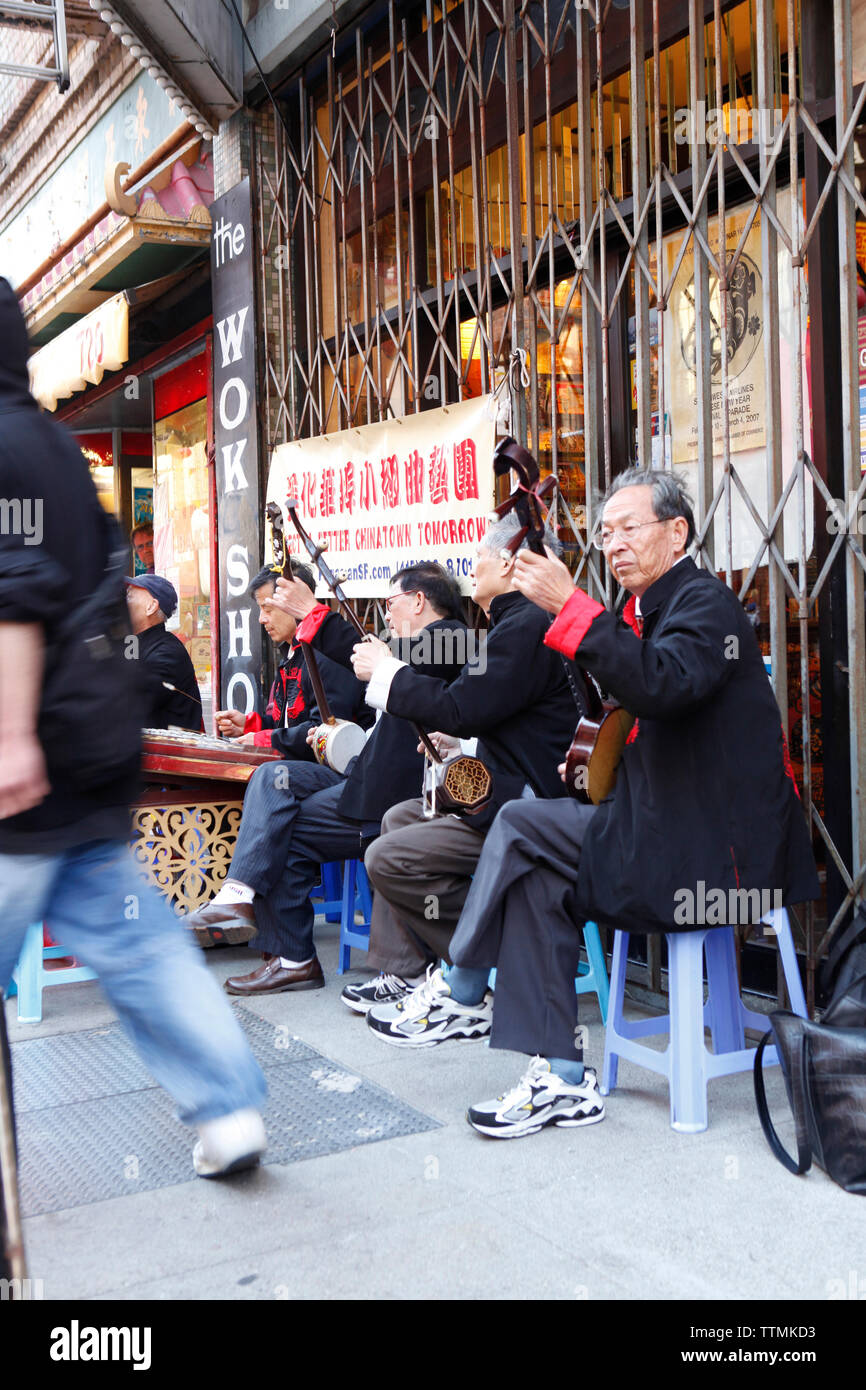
(504, 529)
(671, 496)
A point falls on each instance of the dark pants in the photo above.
(520, 917)
(290, 826)
(421, 870)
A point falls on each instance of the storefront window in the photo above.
(558, 370)
(96, 448)
(141, 483)
(182, 531)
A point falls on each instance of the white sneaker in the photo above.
(384, 989)
(229, 1143)
(540, 1098)
(429, 1015)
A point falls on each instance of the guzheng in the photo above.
(168, 755)
(186, 818)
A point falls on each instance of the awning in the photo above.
(78, 358)
(119, 253)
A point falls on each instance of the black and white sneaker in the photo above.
(429, 1015)
(540, 1098)
(383, 989)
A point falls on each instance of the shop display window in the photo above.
(558, 369)
(181, 497)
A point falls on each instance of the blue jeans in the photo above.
(178, 1019)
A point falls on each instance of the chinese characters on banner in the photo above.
(387, 495)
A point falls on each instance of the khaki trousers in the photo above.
(421, 871)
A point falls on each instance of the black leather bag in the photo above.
(824, 1066)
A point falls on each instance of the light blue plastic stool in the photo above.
(357, 897)
(30, 977)
(591, 973)
(686, 1062)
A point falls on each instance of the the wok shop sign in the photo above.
(236, 444)
(385, 496)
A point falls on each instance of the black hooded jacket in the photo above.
(50, 560)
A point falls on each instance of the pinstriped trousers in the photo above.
(290, 826)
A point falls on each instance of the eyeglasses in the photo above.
(403, 593)
(606, 536)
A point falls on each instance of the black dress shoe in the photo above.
(274, 978)
(223, 924)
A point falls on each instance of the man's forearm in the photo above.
(21, 662)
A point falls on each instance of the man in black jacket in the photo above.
(228, 919)
(520, 706)
(291, 711)
(704, 803)
(63, 835)
(166, 676)
(315, 814)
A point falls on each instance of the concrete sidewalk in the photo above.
(623, 1209)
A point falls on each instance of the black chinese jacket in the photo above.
(705, 800)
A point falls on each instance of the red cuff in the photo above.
(629, 615)
(567, 632)
(252, 723)
(264, 739)
(308, 628)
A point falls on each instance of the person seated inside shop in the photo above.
(704, 809)
(166, 677)
(142, 544)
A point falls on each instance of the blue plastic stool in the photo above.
(686, 1061)
(330, 891)
(30, 977)
(591, 973)
(357, 897)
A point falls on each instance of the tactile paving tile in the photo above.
(93, 1125)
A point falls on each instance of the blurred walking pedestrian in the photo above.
(69, 756)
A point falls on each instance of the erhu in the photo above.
(336, 741)
(460, 784)
(592, 760)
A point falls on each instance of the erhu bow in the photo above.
(336, 741)
(601, 734)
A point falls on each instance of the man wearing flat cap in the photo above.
(167, 678)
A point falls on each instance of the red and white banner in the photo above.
(385, 496)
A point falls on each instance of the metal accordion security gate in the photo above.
(634, 222)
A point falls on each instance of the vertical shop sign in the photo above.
(236, 444)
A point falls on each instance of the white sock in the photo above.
(415, 980)
(293, 964)
(233, 892)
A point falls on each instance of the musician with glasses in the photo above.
(314, 814)
(705, 796)
(516, 709)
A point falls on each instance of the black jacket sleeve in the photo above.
(479, 699)
(661, 676)
(345, 696)
(336, 639)
(34, 587)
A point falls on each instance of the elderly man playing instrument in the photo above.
(315, 814)
(704, 795)
(520, 708)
